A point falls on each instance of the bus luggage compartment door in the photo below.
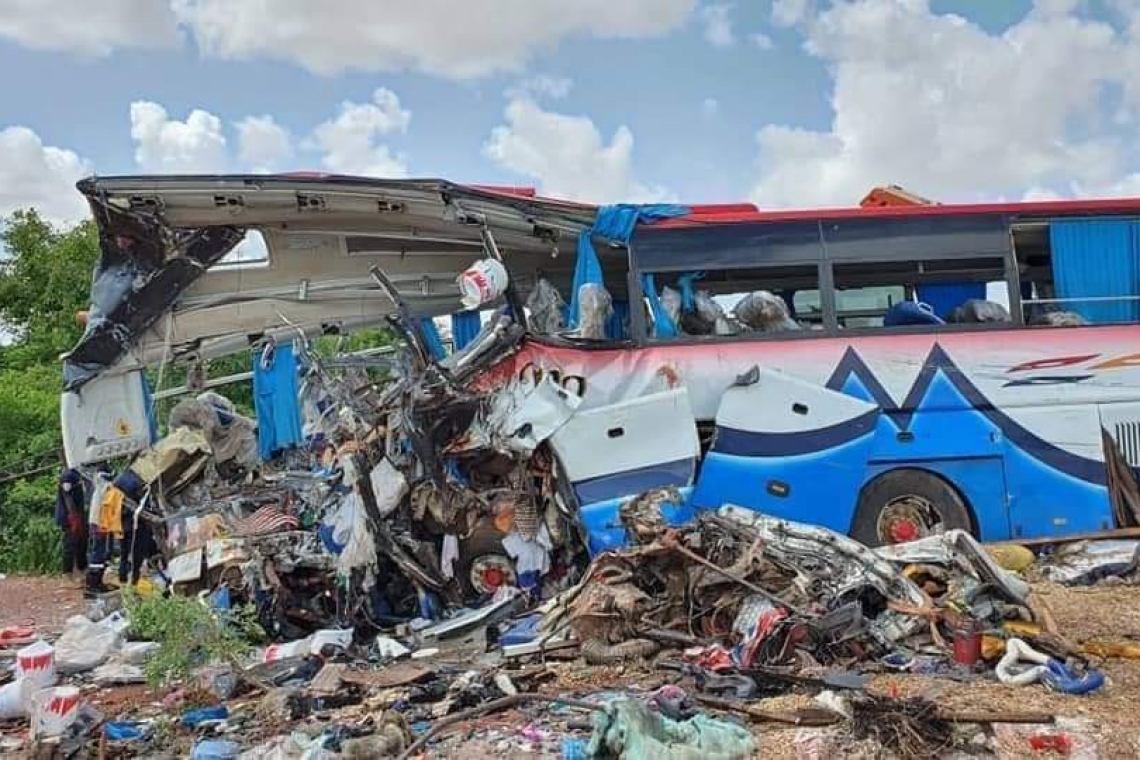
(788, 448)
(616, 452)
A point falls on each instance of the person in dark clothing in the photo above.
(71, 517)
(100, 543)
(138, 544)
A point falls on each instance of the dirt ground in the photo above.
(43, 602)
(1105, 724)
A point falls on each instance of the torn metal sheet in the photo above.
(961, 551)
(1087, 562)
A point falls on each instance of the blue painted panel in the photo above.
(944, 297)
(604, 530)
(619, 484)
(823, 486)
(1097, 258)
(1047, 502)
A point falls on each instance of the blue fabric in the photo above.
(148, 399)
(615, 224)
(663, 326)
(431, 337)
(617, 326)
(688, 290)
(910, 313)
(465, 326)
(1097, 258)
(276, 398)
(944, 297)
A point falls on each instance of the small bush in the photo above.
(189, 633)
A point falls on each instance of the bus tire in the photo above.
(904, 505)
(483, 564)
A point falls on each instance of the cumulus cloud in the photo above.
(436, 36)
(89, 28)
(167, 145)
(718, 25)
(351, 142)
(762, 41)
(40, 176)
(568, 156)
(937, 104)
(263, 144)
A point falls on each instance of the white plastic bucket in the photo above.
(481, 283)
(54, 710)
(36, 663)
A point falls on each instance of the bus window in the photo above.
(734, 301)
(1079, 271)
(928, 292)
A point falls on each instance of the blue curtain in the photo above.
(1097, 258)
(663, 326)
(617, 327)
(432, 338)
(944, 297)
(465, 326)
(276, 397)
(615, 224)
(148, 399)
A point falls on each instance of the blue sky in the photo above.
(781, 102)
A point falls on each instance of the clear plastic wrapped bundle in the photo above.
(764, 311)
(977, 310)
(595, 307)
(545, 305)
(671, 302)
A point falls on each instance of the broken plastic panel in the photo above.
(105, 419)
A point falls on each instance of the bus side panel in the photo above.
(788, 448)
(1045, 501)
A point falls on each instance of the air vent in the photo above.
(145, 202)
(229, 201)
(1128, 439)
(389, 207)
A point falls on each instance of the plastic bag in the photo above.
(595, 308)
(706, 317)
(1059, 319)
(84, 645)
(545, 305)
(976, 310)
(671, 302)
(764, 311)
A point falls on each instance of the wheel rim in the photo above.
(490, 572)
(908, 518)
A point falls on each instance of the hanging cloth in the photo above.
(276, 398)
(465, 325)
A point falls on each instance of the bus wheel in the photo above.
(483, 564)
(905, 505)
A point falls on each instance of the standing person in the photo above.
(71, 517)
(100, 537)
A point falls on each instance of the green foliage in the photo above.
(189, 633)
(45, 278)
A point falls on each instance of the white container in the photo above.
(53, 711)
(481, 283)
(36, 663)
(275, 652)
(14, 699)
(340, 639)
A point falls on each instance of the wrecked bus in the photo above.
(887, 373)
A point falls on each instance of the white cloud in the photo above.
(937, 104)
(761, 40)
(263, 144)
(541, 85)
(350, 143)
(437, 36)
(718, 25)
(710, 107)
(568, 156)
(40, 176)
(167, 145)
(85, 27)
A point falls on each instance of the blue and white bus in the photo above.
(1024, 427)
